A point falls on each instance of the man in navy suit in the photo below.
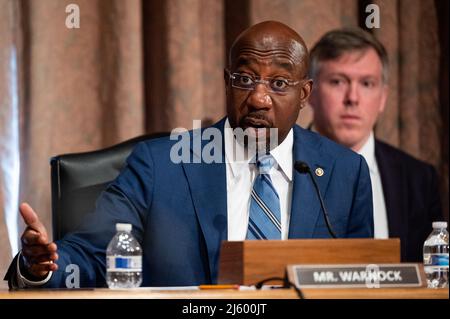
(350, 72)
(182, 207)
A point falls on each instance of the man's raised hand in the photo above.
(39, 255)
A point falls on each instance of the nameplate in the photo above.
(356, 276)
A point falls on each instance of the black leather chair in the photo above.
(77, 180)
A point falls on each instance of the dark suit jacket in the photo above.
(179, 211)
(411, 193)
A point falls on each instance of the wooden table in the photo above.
(151, 293)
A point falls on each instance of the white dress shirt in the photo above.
(240, 177)
(380, 221)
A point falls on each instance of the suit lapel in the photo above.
(394, 195)
(305, 207)
(207, 184)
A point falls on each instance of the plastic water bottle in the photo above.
(123, 259)
(435, 256)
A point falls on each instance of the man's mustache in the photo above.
(255, 119)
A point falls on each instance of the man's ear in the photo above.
(305, 90)
(383, 99)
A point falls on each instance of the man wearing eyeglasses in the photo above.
(182, 211)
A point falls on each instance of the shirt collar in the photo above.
(282, 153)
(368, 152)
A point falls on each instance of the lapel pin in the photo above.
(319, 171)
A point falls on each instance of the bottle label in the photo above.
(124, 263)
(437, 260)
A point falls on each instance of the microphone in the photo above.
(303, 168)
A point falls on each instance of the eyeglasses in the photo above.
(278, 85)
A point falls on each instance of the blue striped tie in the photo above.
(264, 220)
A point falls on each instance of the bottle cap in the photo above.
(439, 224)
(123, 227)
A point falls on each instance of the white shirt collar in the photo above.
(282, 153)
(368, 152)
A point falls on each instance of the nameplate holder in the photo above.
(357, 275)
